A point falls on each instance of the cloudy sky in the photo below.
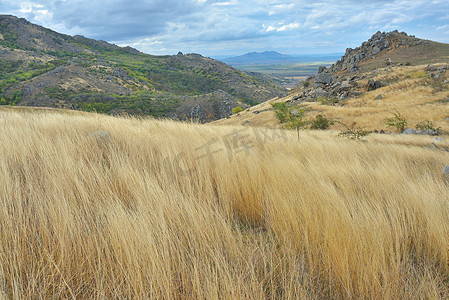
(216, 28)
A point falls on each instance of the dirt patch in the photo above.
(76, 84)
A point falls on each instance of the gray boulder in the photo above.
(321, 69)
(324, 78)
(376, 50)
(379, 97)
(319, 92)
(295, 112)
(197, 113)
(345, 85)
(446, 172)
(409, 131)
(373, 85)
(428, 132)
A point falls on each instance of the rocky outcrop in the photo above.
(328, 85)
(377, 43)
(206, 108)
(341, 80)
(223, 104)
(421, 132)
(323, 78)
(120, 73)
(436, 71)
(197, 113)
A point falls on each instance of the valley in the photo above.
(288, 75)
(287, 70)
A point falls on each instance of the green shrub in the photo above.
(321, 123)
(15, 97)
(427, 125)
(237, 109)
(397, 121)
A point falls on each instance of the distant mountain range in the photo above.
(273, 57)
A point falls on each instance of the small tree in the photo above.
(352, 132)
(397, 120)
(237, 109)
(291, 116)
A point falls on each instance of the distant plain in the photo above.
(289, 74)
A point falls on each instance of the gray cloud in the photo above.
(119, 20)
(235, 26)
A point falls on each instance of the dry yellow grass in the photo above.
(141, 214)
(412, 93)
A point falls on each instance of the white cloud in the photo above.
(28, 7)
(224, 3)
(285, 6)
(288, 27)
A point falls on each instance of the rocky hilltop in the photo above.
(40, 67)
(383, 50)
(376, 44)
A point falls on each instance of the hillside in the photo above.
(389, 71)
(40, 67)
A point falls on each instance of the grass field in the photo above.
(166, 210)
